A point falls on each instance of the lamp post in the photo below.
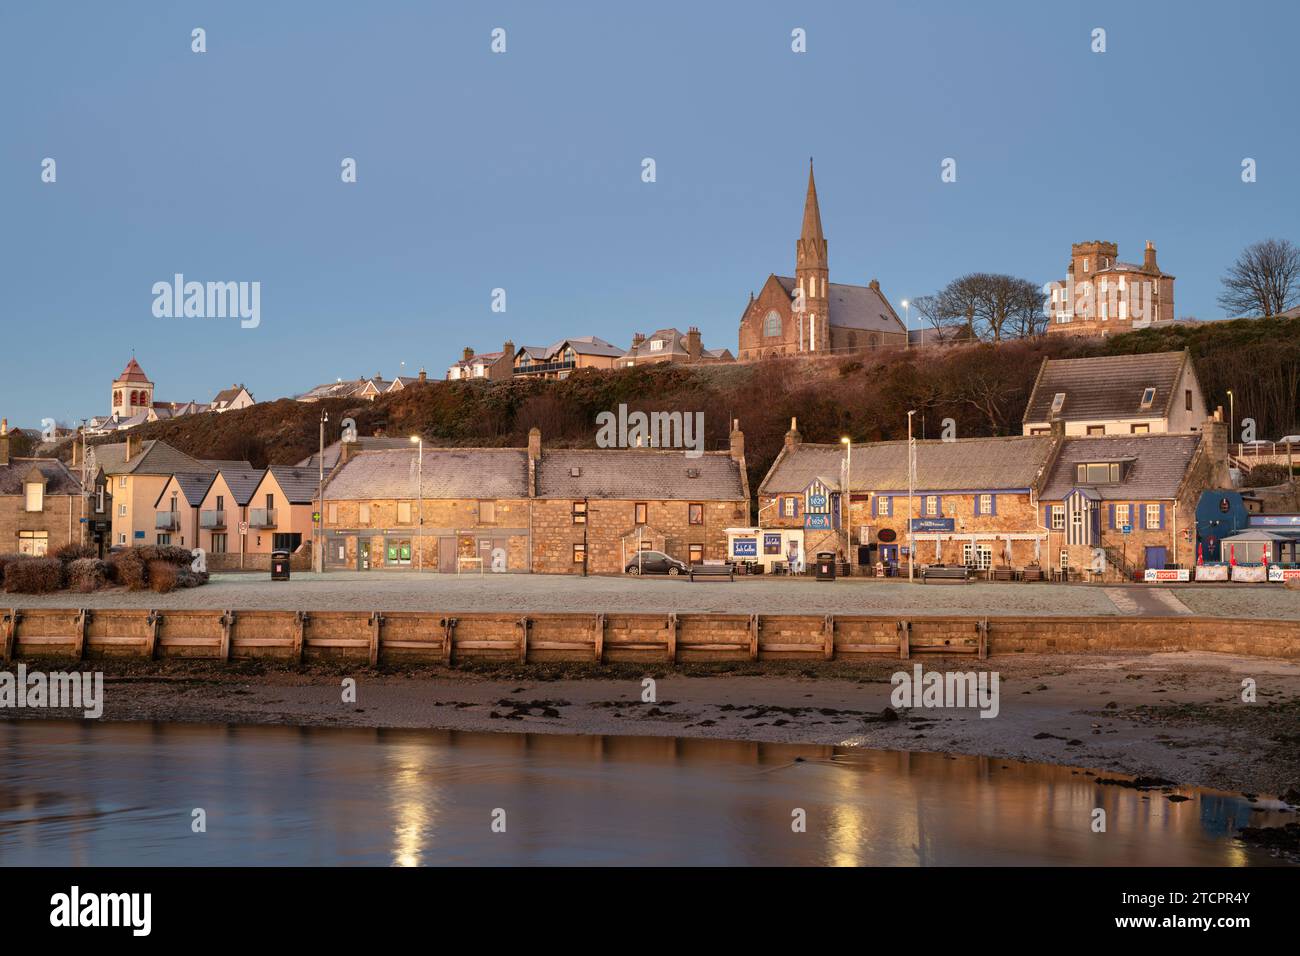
(846, 500)
(320, 494)
(419, 554)
(907, 320)
(911, 485)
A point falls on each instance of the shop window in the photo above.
(695, 514)
(35, 544)
(697, 554)
(642, 513)
(580, 512)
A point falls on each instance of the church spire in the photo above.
(812, 214)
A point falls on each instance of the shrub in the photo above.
(162, 575)
(128, 569)
(34, 575)
(6, 559)
(1266, 474)
(87, 574)
(74, 552)
(181, 557)
(185, 578)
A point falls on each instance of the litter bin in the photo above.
(825, 565)
(280, 565)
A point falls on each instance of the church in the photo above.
(809, 314)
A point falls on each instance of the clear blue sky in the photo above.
(523, 170)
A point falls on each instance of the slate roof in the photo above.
(155, 458)
(226, 396)
(299, 484)
(368, 443)
(674, 344)
(242, 482)
(448, 473)
(1106, 386)
(192, 486)
(968, 464)
(58, 479)
(854, 306)
(588, 345)
(638, 474)
(1159, 464)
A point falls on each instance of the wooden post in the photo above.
(376, 622)
(599, 630)
(672, 638)
(753, 637)
(299, 652)
(904, 640)
(522, 624)
(11, 635)
(227, 620)
(828, 638)
(982, 628)
(151, 639)
(448, 638)
(79, 642)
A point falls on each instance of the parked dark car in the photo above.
(655, 562)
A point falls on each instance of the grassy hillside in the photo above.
(983, 388)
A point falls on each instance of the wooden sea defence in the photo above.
(372, 637)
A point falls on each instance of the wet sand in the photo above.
(1178, 717)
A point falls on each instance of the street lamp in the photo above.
(320, 495)
(907, 320)
(846, 500)
(1232, 420)
(911, 485)
(419, 538)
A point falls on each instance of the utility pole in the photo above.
(320, 496)
(419, 554)
(846, 500)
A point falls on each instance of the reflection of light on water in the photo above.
(413, 808)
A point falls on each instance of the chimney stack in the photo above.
(423, 376)
(693, 346)
(534, 443)
(637, 339)
(508, 349)
(466, 355)
(1215, 436)
(1149, 259)
(792, 436)
(4, 441)
(132, 446)
(737, 442)
(76, 449)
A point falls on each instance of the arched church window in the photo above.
(772, 325)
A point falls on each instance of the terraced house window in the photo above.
(884, 507)
(697, 554)
(33, 543)
(1058, 517)
(642, 512)
(580, 512)
(985, 505)
(695, 514)
(1121, 515)
(931, 505)
(1153, 517)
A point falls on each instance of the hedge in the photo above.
(34, 575)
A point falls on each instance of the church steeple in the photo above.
(812, 274)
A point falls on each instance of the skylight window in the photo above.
(1058, 402)
(1148, 397)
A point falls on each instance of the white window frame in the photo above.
(656, 345)
(1152, 513)
(1121, 515)
(986, 505)
(34, 491)
(1058, 517)
(931, 506)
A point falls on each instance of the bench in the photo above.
(713, 571)
(945, 573)
(1003, 573)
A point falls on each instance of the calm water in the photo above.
(100, 793)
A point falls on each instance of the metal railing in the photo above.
(212, 519)
(261, 518)
(167, 521)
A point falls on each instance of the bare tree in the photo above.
(984, 305)
(1265, 279)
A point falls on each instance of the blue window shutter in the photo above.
(1112, 516)
(1047, 516)
(874, 499)
(1162, 516)
(938, 505)
(993, 504)
(796, 507)
(977, 504)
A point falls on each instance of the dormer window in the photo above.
(1148, 397)
(657, 345)
(1058, 402)
(35, 496)
(1098, 473)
